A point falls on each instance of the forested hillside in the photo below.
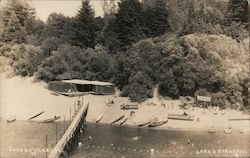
(186, 47)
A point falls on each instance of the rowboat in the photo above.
(149, 122)
(11, 119)
(99, 118)
(55, 93)
(180, 117)
(239, 119)
(212, 130)
(118, 119)
(228, 130)
(123, 121)
(51, 119)
(155, 124)
(36, 115)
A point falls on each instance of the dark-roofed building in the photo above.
(85, 86)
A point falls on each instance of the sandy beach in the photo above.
(23, 98)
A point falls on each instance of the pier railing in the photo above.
(65, 134)
(60, 134)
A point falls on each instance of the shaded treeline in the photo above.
(187, 47)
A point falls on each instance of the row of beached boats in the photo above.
(226, 131)
(122, 119)
(13, 118)
(154, 122)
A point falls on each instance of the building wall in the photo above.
(61, 87)
(106, 89)
(71, 87)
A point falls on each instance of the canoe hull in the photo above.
(50, 120)
(118, 119)
(99, 119)
(180, 117)
(155, 124)
(11, 120)
(149, 122)
(35, 115)
(123, 121)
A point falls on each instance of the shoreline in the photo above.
(220, 120)
(242, 131)
(23, 98)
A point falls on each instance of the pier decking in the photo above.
(63, 144)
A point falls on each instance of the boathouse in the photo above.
(203, 101)
(73, 86)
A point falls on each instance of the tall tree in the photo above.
(20, 13)
(203, 18)
(23, 11)
(156, 19)
(129, 23)
(84, 26)
(13, 31)
(238, 11)
(55, 26)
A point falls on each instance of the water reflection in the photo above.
(114, 141)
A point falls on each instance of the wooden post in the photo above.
(46, 143)
(56, 132)
(82, 100)
(70, 114)
(64, 123)
(74, 109)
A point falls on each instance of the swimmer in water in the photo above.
(135, 138)
(90, 138)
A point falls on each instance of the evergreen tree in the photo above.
(55, 26)
(129, 23)
(1, 30)
(238, 11)
(13, 32)
(24, 13)
(84, 34)
(157, 19)
(20, 13)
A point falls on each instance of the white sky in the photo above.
(67, 7)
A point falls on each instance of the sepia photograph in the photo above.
(124, 79)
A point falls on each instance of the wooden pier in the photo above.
(67, 139)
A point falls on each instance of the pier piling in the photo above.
(65, 142)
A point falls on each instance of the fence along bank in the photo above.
(68, 87)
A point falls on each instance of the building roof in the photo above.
(88, 82)
(203, 98)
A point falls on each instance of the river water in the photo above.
(23, 139)
(106, 141)
(122, 142)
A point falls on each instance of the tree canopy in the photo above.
(190, 47)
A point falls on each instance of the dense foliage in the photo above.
(186, 47)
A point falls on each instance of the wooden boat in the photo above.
(55, 93)
(228, 130)
(123, 121)
(51, 119)
(99, 118)
(118, 119)
(212, 130)
(180, 117)
(239, 119)
(11, 119)
(36, 115)
(242, 131)
(149, 122)
(160, 123)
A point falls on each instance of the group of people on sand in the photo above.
(160, 104)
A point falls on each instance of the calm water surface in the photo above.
(113, 141)
(17, 138)
(106, 141)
